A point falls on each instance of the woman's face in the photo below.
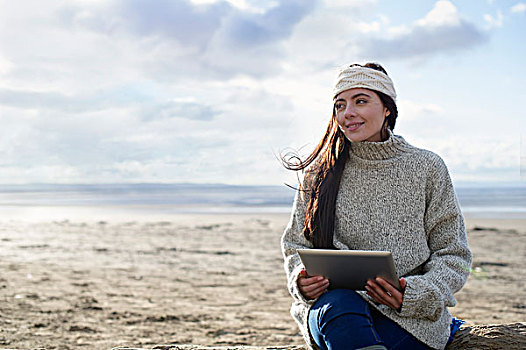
(360, 114)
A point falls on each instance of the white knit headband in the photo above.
(363, 77)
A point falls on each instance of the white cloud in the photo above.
(369, 27)
(216, 39)
(109, 91)
(411, 110)
(347, 5)
(477, 158)
(5, 65)
(494, 22)
(440, 30)
(251, 6)
(518, 8)
(444, 13)
(329, 36)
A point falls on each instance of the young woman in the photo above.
(366, 188)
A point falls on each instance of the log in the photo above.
(200, 347)
(510, 336)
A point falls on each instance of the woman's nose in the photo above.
(349, 112)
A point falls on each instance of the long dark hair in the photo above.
(323, 179)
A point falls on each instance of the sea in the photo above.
(64, 201)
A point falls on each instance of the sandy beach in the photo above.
(200, 279)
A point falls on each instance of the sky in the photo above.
(213, 91)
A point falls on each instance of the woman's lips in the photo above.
(354, 126)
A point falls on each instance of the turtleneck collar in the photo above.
(390, 148)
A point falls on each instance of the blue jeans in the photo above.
(342, 319)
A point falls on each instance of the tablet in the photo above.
(349, 269)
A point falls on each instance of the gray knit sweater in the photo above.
(399, 198)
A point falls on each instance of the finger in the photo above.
(305, 281)
(374, 295)
(316, 293)
(320, 290)
(389, 289)
(379, 294)
(311, 281)
(308, 286)
(403, 284)
(395, 296)
(389, 300)
(312, 287)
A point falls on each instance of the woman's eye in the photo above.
(339, 106)
(361, 101)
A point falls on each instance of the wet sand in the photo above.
(208, 279)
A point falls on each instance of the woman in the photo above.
(366, 188)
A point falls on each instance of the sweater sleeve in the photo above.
(292, 240)
(448, 266)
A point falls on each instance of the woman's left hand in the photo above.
(385, 293)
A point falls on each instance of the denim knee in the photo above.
(341, 319)
(335, 303)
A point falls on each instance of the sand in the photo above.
(209, 279)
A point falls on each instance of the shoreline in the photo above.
(145, 213)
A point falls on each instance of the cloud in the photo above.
(245, 30)
(5, 65)
(107, 100)
(158, 91)
(444, 13)
(494, 22)
(475, 158)
(180, 20)
(215, 39)
(54, 101)
(441, 30)
(180, 109)
(411, 110)
(518, 8)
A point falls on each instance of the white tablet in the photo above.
(349, 269)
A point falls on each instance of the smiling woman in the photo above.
(367, 189)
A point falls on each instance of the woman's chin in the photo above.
(355, 137)
(360, 137)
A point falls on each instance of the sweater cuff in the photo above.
(420, 301)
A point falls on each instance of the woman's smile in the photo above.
(353, 126)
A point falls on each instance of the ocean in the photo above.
(59, 200)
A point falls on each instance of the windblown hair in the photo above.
(322, 180)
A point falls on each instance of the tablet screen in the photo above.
(349, 269)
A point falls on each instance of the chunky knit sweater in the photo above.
(399, 198)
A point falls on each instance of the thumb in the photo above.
(403, 283)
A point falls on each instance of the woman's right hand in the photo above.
(312, 286)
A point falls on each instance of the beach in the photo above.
(102, 281)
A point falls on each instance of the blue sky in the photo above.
(207, 91)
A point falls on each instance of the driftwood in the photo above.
(480, 337)
(488, 337)
(198, 347)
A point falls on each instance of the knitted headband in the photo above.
(363, 77)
